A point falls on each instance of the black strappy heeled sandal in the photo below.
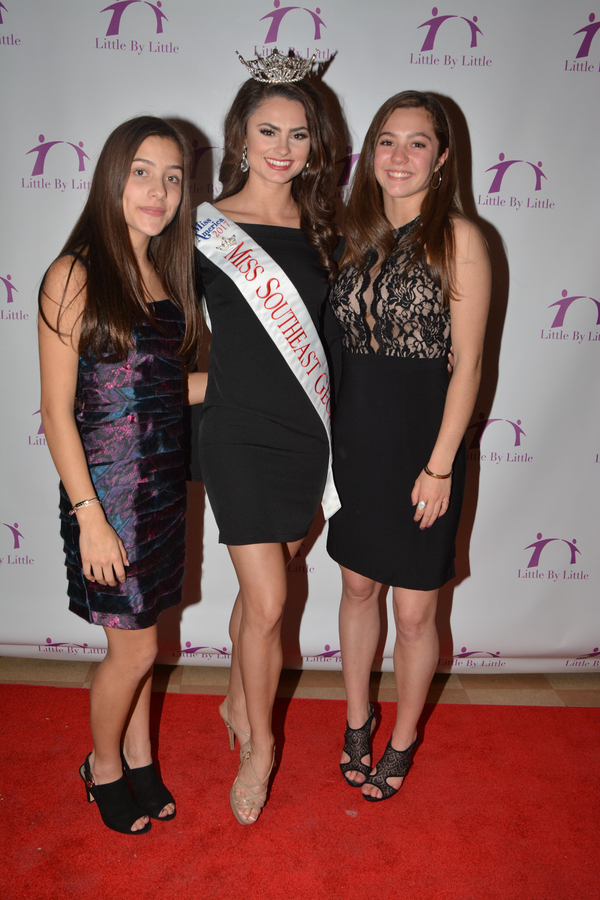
(357, 743)
(149, 790)
(116, 804)
(393, 764)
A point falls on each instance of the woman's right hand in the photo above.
(103, 555)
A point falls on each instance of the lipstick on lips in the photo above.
(278, 165)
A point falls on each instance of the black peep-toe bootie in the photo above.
(149, 790)
(393, 764)
(357, 743)
(116, 804)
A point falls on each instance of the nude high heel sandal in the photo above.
(252, 801)
(224, 713)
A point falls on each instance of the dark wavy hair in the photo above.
(114, 292)
(314, 192)
(366, 226)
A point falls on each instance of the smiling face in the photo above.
(152, 193)
(277, 141)
(406, 156)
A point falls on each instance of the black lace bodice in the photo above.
(383, 310)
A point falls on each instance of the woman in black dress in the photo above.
(415, 275)
(263, 449)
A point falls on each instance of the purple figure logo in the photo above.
(51, 643)
(276, 15)
(119, 8)
(589, 32)
(41, 428)
(437, 21)
(190, 649)
(81, 154)
(564, 303)
(2, 6)
(10, 288)
(481, 427)
(593, 655)
(42, 152)
(15, 533)
(541, 542)
(465, 654)
(505, 164)
(347, 162)
(317, 20)
(328, 653)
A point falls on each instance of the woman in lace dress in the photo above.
(415, 275)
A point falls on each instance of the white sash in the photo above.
(280, 310)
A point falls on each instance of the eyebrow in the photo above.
(149, 162)
(276, 128)
(411, 135)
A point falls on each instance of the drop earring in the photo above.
(244, 164)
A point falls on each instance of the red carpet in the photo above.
(502, 802)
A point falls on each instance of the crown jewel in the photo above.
(277, 68)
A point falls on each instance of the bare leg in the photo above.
(115, 691)
(262, 576)
(136, 740)
(235, 702)
(416, 654)
(234, 705)
(359, 634)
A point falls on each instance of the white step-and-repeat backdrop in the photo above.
(522, 82)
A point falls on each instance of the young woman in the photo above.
(415, 274)
(263, 448)
(117, 317)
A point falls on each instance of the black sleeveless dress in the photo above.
(262, 448)
(396, 337)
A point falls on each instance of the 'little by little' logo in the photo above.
(581, 62)
(277, 15)
(307, 26)
(15, 541)
(328, 655)
(69, 161)
(586, 660)
(150, 17)
(7, 39)
(581, 306)
(9, 313)
(38, 439)
(201, 652)
(469, 35)
(473, 659)
(561, 556)
(503, 171)
(509, 451)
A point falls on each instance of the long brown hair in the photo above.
(366, 226)
(312, 193)
(114, 291)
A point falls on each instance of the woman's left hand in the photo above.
(435, 494)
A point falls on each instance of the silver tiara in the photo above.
(276, 68)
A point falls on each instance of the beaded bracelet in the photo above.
(83, 503)
(433, 475)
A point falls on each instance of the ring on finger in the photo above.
(421, 504)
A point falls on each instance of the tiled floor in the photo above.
(569, 689)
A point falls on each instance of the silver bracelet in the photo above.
(82, 504)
